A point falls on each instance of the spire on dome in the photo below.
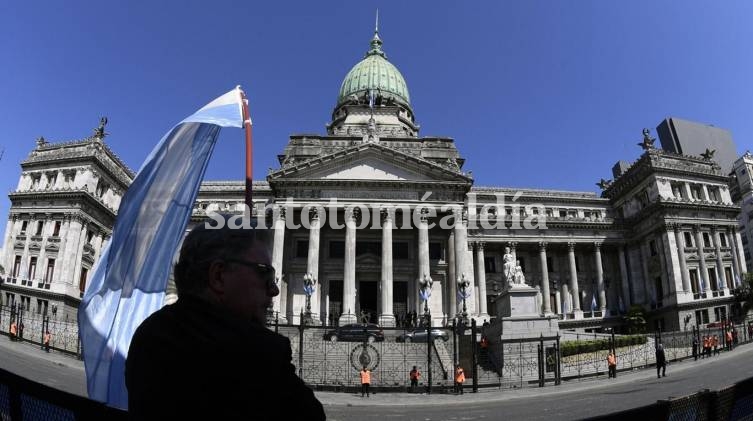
(376, 42)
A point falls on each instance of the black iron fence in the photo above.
(31, 327)
(23, 399)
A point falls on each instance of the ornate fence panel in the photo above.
(64, 335)
(336, 364)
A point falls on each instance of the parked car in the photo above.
(356, 332)
(419, 335)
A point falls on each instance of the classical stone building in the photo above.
(61, 215)
(372, 214)
(742, 194)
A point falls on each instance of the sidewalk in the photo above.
(502, 395)
(28, 348)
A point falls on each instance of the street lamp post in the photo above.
(464, 292)
(309, 287)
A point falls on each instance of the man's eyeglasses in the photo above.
(265, 271)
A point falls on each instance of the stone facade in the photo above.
(61, 216)
(742, 192)
(373, 213)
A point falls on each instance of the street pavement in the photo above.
(574, 399)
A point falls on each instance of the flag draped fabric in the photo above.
(128, 283)
(593, 301)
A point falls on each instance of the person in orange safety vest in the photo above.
(365, 381)
(459, 379)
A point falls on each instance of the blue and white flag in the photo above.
(128, 283)
(737, 281)
(593, 302)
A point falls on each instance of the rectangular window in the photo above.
(720, 314)
(368, 247)
(336, 249)
(550, 264)
(10, 299)
(695, 191)
(563, 214)
(32, 267)
(16, 267)
(587, 214)
(712, 279)
(435, 251)
(723, 239)
(56, 230)
(490, 265)
(652, 247)
(400, 251)
(694, 286)
(301, 248)
(24, 224)
(688, 239)
(52, 179)
(42, 306)
(714, 193)
(706, 240)
(701, 317)
(82, 280)
(728, 277)
(50, 271)
(40, 226)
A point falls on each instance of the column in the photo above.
(702, 259)
(349, 274)
(688, 193)
(462, 260)
(79, 255)
(627, 301)
(681, 256)
(736, 270)
(740, 254)
(452, 277)
(386, 313)
(481, 279)
(600, 278)
(544, 279)
(574, 281)
(277, 255)
(312, 262)
(557, 301)
(720, 278)
(567, 302)
(423, 259)
(705, 193)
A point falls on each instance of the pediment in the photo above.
(370, 162)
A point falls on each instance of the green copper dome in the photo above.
(375, 72)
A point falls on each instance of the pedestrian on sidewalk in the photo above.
(706, 347)
(459, 379)
(13, 331)
(715, 344)
(46, 341)
(695, 348)
(365, 381)
(414, 376)
(210, 355)
(612, 364)
(728, 336)
(661, 362)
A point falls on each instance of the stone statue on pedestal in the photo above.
(509, 267)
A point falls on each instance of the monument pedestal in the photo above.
(520, 315)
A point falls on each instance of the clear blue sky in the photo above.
(542, 94)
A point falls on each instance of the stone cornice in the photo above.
(406, 159)
(78, 150)
(49, 195)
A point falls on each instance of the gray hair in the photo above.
(204, 245)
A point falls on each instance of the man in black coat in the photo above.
(209, 356)
(661, 361)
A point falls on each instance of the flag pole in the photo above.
(249, 153)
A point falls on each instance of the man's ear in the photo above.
(216, 278)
